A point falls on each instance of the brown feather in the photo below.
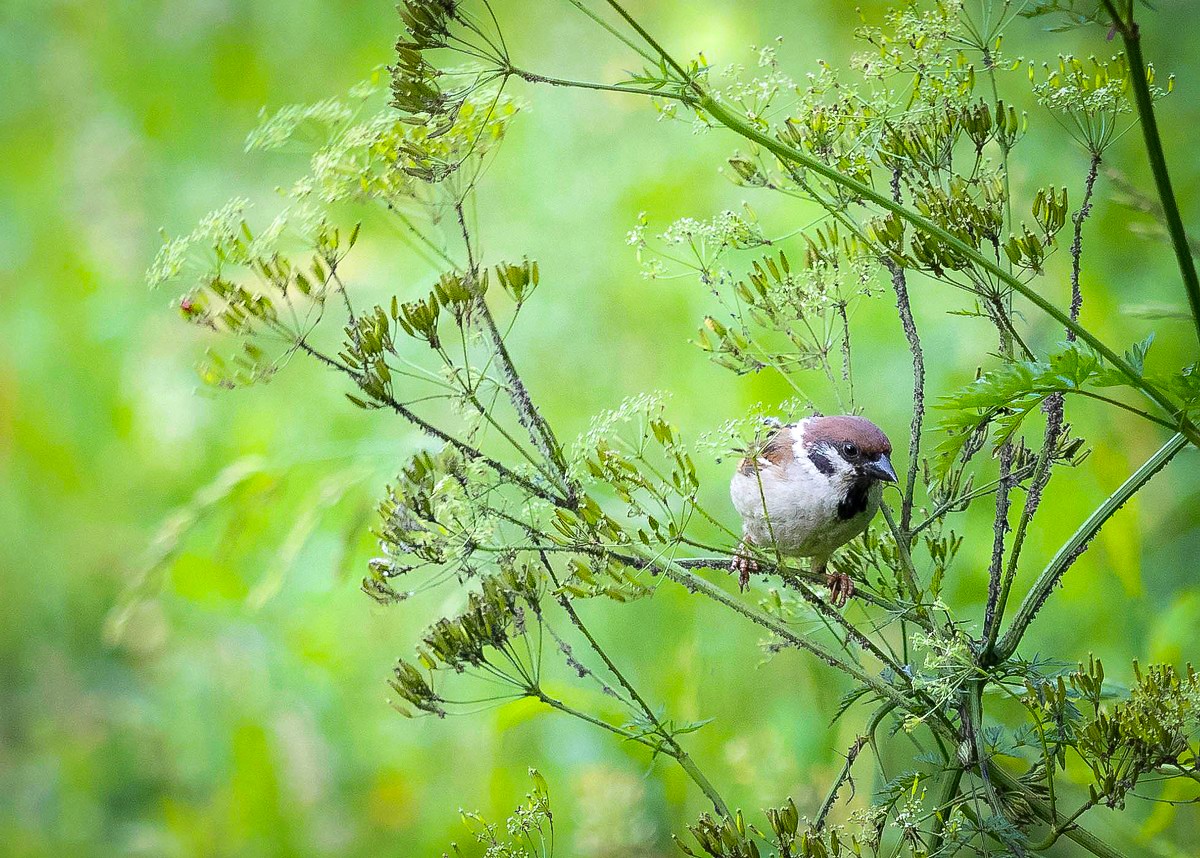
(779, 450)
(845, 427)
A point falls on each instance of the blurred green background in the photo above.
(243, 711)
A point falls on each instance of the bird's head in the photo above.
(848, 449)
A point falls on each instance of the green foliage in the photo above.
(498, 535)
(1003, 399)
(525, 541)
(530, 829)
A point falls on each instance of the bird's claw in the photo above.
(743, 566)
(841, 588)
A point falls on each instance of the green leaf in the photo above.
(1002, 398)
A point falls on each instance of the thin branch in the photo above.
(527, 413)
(999, 531)
(1131, 36)
(904, 308)
(972, 723)
(958, 504)
(554, 703)
(681, 756)
(533, 77)
(907, 570)
(1079, 542)
(790, 575)
(844, 777)
(1077, 244)
(695, 584)
(654, 45)
(434, 432)
(1033, 499)
(847, 368)
(1054, 406)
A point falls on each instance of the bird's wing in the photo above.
(776, 454)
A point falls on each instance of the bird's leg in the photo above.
(841, 586)
(743, 563)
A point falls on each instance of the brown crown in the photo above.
(845, 427)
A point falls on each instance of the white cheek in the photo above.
(843, 472)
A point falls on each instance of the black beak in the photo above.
(881, 469)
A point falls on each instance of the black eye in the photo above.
(851, 450)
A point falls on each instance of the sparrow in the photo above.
(811, 488)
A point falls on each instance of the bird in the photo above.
(812, 487)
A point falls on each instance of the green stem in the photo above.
(907, 569)
(533, 77)
(1041, 475)
(695, 584)
(613, 30)
(1081, 836)
(786, 153)
(1130, 408)
(650, 40)
(1058, 830)
(1075, 546)
(973, 724)
(790, 575)
(1131, 35)
(681, 756)
(842, 778)
(554, 703)
(944, 807)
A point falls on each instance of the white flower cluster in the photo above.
(703, 242)
(275, 130)
(223, 235)
(755, 94)
(641, 409)
(726, 229)
(324, 117)
(216, 229)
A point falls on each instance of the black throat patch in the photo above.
(855, 501)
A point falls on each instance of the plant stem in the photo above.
(827, 805)
(991, 617)
(554, 703)
(790, 576)
(1037, 485)
(904, 308)
(1085, 209)
(972, 721)
(629, 43)
(533, 77)
(1131, 36)
(695, 584)
(786, 153)
(907, 570)
(944, 807)
(528, 415)
(434, 432)
(680, 755)
(1058, 830)
(1081, 836)
(1076, 545)
(650, 40)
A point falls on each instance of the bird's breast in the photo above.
(798, 511)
